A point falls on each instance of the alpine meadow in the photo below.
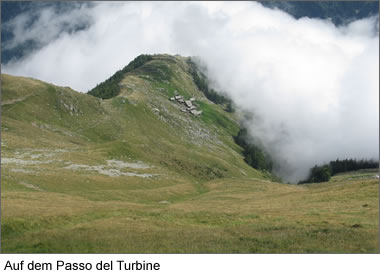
(174, 151)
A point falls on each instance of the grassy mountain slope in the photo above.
(135, 174)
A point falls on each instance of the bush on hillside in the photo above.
(318, 174)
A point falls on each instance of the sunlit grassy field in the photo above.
(220, 216)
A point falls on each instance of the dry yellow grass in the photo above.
(232, 215)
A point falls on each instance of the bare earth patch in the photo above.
(20, 170)
(35, 157)
(30, 186)
(114, 168)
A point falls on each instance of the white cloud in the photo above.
(312, 86)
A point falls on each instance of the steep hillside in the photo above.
(139, 173)
(140, 124)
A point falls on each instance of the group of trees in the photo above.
(318, 173)
(110, 87)
(253, 155)
(338, 166)
(323, 173)
(202, 83)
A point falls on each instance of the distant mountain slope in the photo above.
(339, 12)
(31, 9)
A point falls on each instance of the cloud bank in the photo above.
(312, 87)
